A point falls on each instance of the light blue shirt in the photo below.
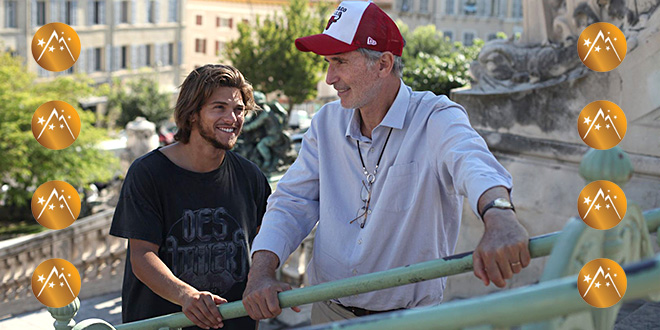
(433, 158)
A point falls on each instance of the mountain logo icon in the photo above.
(56, 283)
(602, 283)
(602, 124)
(56, 47)
(55, 205)
(602, 47)
(56, 125)
(602, 204)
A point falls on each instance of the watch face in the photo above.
(502, 203)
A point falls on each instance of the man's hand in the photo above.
(260, 295)
(200, 307)
(503, 249)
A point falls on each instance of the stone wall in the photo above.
(98, 257)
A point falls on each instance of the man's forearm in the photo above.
(264, 263)
(150, 270)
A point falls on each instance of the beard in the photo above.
(210, 137)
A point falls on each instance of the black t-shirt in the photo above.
(203, 223)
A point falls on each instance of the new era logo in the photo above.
(371, 41)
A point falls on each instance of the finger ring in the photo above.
(517, 263)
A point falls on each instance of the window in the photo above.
(124, 57)
(225, 22)
(41, 12)
(219, 47)
(217, 22)
(147, 55)
(170, 52)
(173, 10)
(200, 46)
(423, 6)
(492, 36)
(246, 21)
(405, 5)
(68, 13)
(199, 19)
(468, 38)
(70, 70)
(98, 60)
(96, 13)
(151, 11)
(517, 9)
(449, 7)
(470, 7)
(123, 12)
(10, 14)
(448, 35)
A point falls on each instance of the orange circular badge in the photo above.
(56, 283)
(602, 124)
(55, 125)
(55, 204)
(602, 283)
(56, 47)
(602, 204)
(602, 47)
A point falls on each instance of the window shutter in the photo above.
(34, 13)
(133, 11)
(179, 52)
(134, 56)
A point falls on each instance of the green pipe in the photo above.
(539, 246)
(507, 308)
(652, 219)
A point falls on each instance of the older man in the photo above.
(383, 171)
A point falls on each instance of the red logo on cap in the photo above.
(333, 19)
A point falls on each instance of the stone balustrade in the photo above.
(98, 257)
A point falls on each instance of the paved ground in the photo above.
(634, 315)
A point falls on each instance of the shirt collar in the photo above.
(394, 118)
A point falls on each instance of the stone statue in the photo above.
(545, 55)
(264, 140)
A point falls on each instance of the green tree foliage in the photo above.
(433, 63)
(266, 53)
(139, 98)
(24, 163)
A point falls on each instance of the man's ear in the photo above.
(386, 64)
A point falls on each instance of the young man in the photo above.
(383, 171)
(191, 210)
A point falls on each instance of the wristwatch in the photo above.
(498, 203)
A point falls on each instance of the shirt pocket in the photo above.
(400, 187)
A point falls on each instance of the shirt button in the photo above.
(354, 271)
(360, 241)
(371, 149)
(369, 212)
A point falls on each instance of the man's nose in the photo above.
(331, 77)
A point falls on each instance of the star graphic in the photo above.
(587, 121)
(607, 126)
(62, 48)
(587, 200)
(41, 42)
(41, 278)
(70, 117)
(614, 275)
(62, 126)
(51, 206)
(597, 206)
(614, 117)
(51, 127)
(597, 126)
(587, 278)
(70, 39)
(614, 197)
(607, 206)
(607, 48)
(51, 49)
(69, 197)
(62, 206)
(587, 42)
(614, 39)
(598, 284)
(70, 275)
(62, 284)
(51, 285)
(41, 120)
(608, 284)
(41, 200)
(597, 48)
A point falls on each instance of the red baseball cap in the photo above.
(355, 24)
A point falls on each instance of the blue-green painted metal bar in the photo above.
(532, 303)
(539, 246)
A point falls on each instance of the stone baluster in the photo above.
(64, 315)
